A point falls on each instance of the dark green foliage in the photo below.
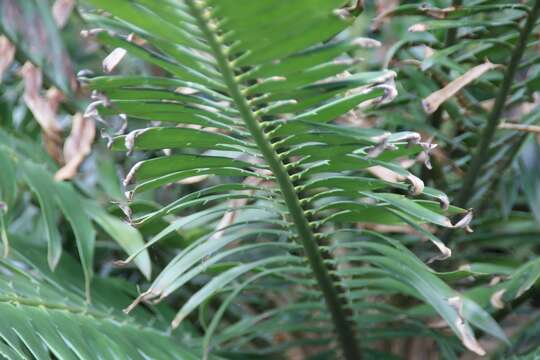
(274, 175)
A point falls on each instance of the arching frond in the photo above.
(263, 101)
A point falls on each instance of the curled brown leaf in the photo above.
(418, 28)
(7, 54)
(435, 12)
(117, 55)
(384, 9)
(465, 333)
(113, 59)
(416, 185)
(44, 109)
(464, 222)
(496, 299)
(520, 127)
(61, 10)
(433, 101)
(77, 146)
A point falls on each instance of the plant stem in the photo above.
(482, 150)
(451, 35)
(435, 119)
(343, 329)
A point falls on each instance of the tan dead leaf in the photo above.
(87, 33)
(365, 42)
(433, 101)
(229, 217)
(384, 9)
(54, 97)
(117, 55)
(381, 146)
(438, 324)
(435, 12)
(7, 54)
(61, 11)
(77, 146)
(520, 127)
(385, 174)
(416, 184)
(418, 28)
(193, 179)
(130, 177)
(428, 52)
(495, 280)
(382, 228)
(113, 59)
(496, 299)
(185, 90)
(465, 333)
(398, 229)
(465, 221)
(43, 109)
(446, 252)
(468, 339)
(348, 11)
(137, 40)
(129, 140)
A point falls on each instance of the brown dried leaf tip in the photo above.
(77, 146)
(433, 101)
(61, 11)
(44, 109)
(7, 54)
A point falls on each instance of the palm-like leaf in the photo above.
(490, 158)
(504, 33)
(256, 91)
(45, 315)
(24, 164)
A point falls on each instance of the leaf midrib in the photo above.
(305, 234)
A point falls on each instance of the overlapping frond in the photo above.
(45, 315)
(24, 166)
(263, 101)
(485, 129)
(480, 32)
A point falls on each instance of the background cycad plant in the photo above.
(259, 94)
(486, 154)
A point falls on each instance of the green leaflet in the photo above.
(8, 182)
(125, 235)
(58, 198)
(222, 280)
(168, 164)
(164, 138)
(41, 184)
(85, 235)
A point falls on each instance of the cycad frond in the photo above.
(45, 315)
(259, 92)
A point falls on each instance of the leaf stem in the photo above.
(435, 120)
(342, 326)
(451, 35)
(494, 118)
